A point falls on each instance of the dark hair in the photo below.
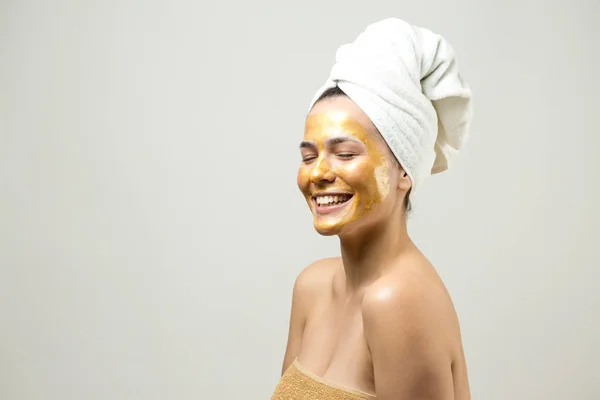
(331, 92)
(336, 91)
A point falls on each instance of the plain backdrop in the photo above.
(150, 224)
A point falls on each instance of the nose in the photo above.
(322, 172)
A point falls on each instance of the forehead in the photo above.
(339, 116)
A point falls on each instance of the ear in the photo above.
(404, 182)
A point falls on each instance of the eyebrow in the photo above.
(331, 142)
(306, 144)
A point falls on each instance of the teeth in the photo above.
(331, 200)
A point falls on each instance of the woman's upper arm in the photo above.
(296, 328)
(410, 358)
(309, 284)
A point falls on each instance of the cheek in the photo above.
(371, 178)
(353, 173)
(303, 179)
(382, 180)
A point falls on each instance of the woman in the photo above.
(377, 322)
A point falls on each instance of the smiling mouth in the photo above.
(330, 202)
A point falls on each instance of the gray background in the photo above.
(150, 224)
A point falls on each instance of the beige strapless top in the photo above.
(297, 383)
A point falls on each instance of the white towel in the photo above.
(406, 80)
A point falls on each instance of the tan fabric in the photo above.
(299, 384)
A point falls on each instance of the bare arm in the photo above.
(404, 331)
(297, 322)
(308, 286)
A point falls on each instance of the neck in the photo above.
(367, 256)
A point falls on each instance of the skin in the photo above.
(340, 155)
(377, 319)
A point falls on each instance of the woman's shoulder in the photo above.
(316, 277)
(411, 297)
(409, 326)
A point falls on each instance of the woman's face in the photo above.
(347, 172)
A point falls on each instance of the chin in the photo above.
(327, 230)
(354, 228)
(331, 228)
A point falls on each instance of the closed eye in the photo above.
(346, 156)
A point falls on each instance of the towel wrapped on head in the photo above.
(406, 80)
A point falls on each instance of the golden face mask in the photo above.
(344, 172)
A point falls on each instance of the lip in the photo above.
(332, 193)
(330, 209)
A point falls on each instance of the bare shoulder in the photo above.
(411, 329)
(316, 278)
(310, 285)
(413, 296)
